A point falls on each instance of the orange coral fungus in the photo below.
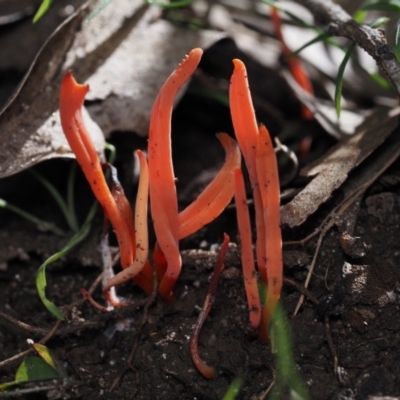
(163, 199)
(246, 131)
(141, 231)
(296, 68)
(209, 204)
(268, 179)
(249, 273)
(261, 162)
(72, 96)
(216, 196)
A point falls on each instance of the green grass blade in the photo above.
(379, 22)
(396, 45)
(71, 196)
(288, 377)
(233, 389)
(171, 4)
(339, 80)
(113, 152)
(382, 5)
(99, 8)
(41, 282)
(40, 223)
(322, 37)
(44, 7)
(59, 200)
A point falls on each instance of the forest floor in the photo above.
(345, 339)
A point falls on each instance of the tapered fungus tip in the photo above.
(238, 64)
(196, 51)
(70, 85)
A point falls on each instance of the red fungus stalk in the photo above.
(207, 371)
(209, 204)
(249, 273)
(163, 198)
(72, 96)
(263, 171)
(268, 178)
(116, 207)
(216, 196)
(246, 131)
(296, 68)
(141, 232)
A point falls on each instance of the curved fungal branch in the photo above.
(246, 131)
(216, 196)
(141, 230)
(268, 178)
(249, 273)
(209, 204)
(72, 96)
(163, 198)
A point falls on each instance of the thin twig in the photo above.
(23, 325)
(330, 345)
(312, 266)
(301, 289)
(373, 41)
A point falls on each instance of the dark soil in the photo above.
(357, 317)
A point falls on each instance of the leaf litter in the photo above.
(343, 174)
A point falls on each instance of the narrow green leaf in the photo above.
(233, 389)
(41, 282)
(171, 4)
(379, 22)
(71, 196)
(320, 38)
(396, 45)
(382, 5)
(288, 377)
(7, 385)
(339, 80)
(44, 7)
(69, 217)
(101, 5)
(41, 224)
(35, 369)
(379, 79)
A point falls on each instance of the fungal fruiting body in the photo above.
(115, 206)
(163, 198)
(246, 132)
(258, 152)
(249, 273)
(141, 232)
(158, 180)
(268, 179)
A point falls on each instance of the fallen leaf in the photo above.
(123, 52)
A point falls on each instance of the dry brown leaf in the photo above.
(122, 52)
(332, 170)
(29, 131)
